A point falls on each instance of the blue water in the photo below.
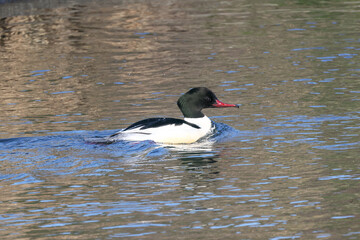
(285, 165)
(61, 180)
(75, 151)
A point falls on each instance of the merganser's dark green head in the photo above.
(192, 102)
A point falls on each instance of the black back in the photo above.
(159, 122)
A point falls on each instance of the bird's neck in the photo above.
(192, 114)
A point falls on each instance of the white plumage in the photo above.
(171, 133)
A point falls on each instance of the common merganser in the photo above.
(175, 131)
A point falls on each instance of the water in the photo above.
(283, 166)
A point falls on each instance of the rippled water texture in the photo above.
(283, 166)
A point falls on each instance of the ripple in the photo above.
(338, 177)
(343, 217)
(342, 146)
(138, 225)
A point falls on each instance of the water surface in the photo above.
(283, 166)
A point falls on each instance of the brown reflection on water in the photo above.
(130, 61)
(149, 47)
(83, 43)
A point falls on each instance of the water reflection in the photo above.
(285, 164)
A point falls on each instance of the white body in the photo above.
(172, 134)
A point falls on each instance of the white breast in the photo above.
(172, 134)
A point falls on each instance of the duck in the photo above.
(192, 128)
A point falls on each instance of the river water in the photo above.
(285, 165)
